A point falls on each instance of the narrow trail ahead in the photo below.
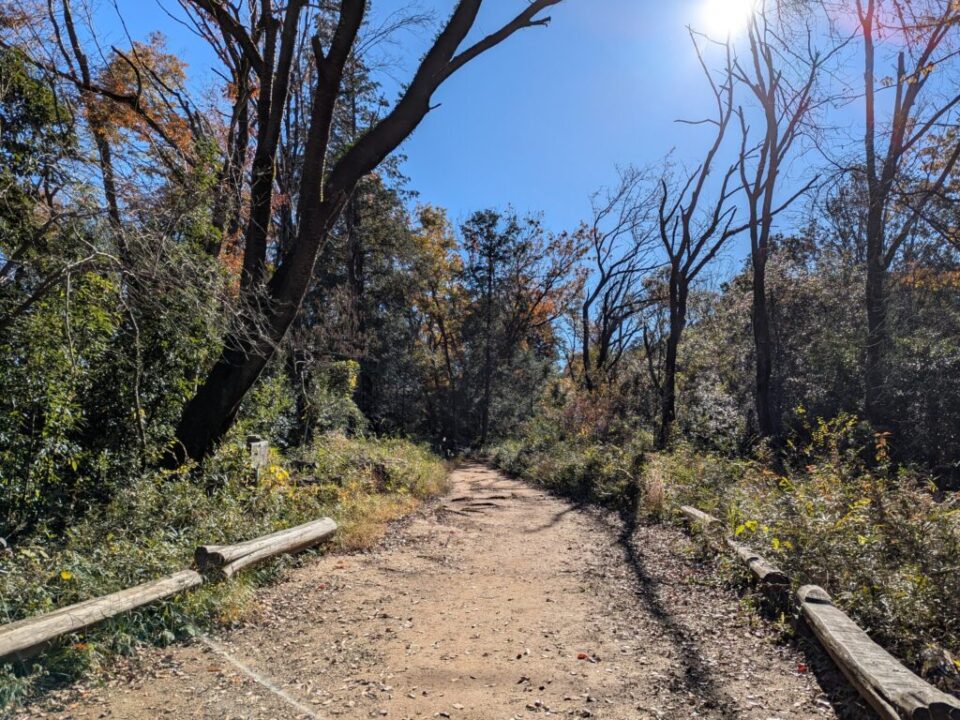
(499, 602)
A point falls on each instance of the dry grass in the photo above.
(654, 499)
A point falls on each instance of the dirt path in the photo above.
(501, 602)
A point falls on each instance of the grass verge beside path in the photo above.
(881, 539)
(152, 528)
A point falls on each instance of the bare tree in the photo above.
(782, 82)
(621, 244)
(899, 191)
(695, 221)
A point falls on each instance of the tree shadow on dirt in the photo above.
(693, 675)
(556, 519)
(842, 697)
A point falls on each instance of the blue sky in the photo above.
(540, 122)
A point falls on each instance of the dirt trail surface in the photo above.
(498, 602)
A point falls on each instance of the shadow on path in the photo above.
(555, 519)
(692, 675)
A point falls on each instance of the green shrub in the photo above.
(152, 526)
(329, 402)
(879, 538)
(587, 471)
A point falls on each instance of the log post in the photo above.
(259, 450)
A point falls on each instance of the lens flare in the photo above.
(721, 19)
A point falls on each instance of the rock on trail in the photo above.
(498, 602)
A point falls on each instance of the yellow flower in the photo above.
(66, 575)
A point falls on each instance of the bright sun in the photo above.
(724, 18)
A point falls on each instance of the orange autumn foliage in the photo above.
(145, 72)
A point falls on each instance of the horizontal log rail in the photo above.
(22, 639)
(698, 517)
(25, 638)
(212, 557)
(764, 572)
(225, 561)
(892, 690)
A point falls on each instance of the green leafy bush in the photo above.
(605, 474)
(152, 526)
(880, 538)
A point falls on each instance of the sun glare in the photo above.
(721, 19)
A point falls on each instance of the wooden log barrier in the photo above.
(22, 639)
(707, 524)
(890, 688)
(763, 571)
(698, 516)
(224, 561)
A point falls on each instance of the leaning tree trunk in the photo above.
(322, 196)
(212, 411)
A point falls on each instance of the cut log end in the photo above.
(224, 561)
(814, 594)
(208, 558)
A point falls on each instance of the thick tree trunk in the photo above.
(874, 379)
(766, 417)
(878, 189)
(668, 398)
(212, 411)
